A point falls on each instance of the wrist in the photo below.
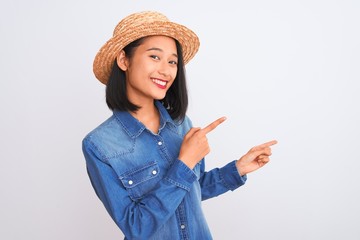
(186, 162)
(240, 168)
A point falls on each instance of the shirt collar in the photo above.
(134, 127)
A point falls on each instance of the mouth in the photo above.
(160, 83)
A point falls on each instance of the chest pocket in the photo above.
(141, 180)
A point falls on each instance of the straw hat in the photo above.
(140, 25)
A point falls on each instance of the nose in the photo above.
(164, 69)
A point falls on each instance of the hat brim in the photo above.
(107, 54)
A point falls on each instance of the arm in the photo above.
(140, 219)
(219, 180)
(233, 175)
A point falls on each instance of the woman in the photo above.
(146, 162)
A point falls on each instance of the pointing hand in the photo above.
(255, 158)
(195, 145)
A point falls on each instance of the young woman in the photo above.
(146, 162)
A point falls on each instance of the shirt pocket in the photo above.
(141, 180)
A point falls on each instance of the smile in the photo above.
(159, 83)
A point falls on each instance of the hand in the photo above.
(256, 158)
(195, 145)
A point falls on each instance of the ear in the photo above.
(122, 61)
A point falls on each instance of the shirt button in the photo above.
(159, 143)
(154, 172)
(130, 182)
(182, 226)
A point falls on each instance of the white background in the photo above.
(285, 70)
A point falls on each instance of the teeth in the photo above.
(162, 83)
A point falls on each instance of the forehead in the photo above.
(162, 42)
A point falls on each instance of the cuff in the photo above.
(231, 177)
(181, 175)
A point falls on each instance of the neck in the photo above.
(148, 115)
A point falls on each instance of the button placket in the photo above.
(159, 140)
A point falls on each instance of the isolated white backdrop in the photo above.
(285, 70)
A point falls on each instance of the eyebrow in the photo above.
(160, 50)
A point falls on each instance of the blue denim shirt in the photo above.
(147, 190)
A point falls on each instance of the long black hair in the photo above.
(175, 100)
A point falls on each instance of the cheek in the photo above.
(173, 74)
(173, 80)
(139, 71)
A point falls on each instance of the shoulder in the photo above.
(108, 139)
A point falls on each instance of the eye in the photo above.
(155, 57)
(173, 62)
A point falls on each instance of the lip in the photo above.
(159, 83)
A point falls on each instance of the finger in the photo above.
(263, 156)
(213, 125)
(264, 160)
(259, 154)
(192, 131)
(265, 145)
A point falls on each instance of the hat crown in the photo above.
(140, 18)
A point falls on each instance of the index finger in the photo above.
(267, 144)
(213, 125)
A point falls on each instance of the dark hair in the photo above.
(175, 100)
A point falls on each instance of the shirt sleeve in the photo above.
(137, 219)
(220, 180)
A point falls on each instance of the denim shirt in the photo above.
(147, 190)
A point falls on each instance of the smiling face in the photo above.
(151, 70)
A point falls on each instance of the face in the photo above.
(152, 69)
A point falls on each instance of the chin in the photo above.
(159, 96)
